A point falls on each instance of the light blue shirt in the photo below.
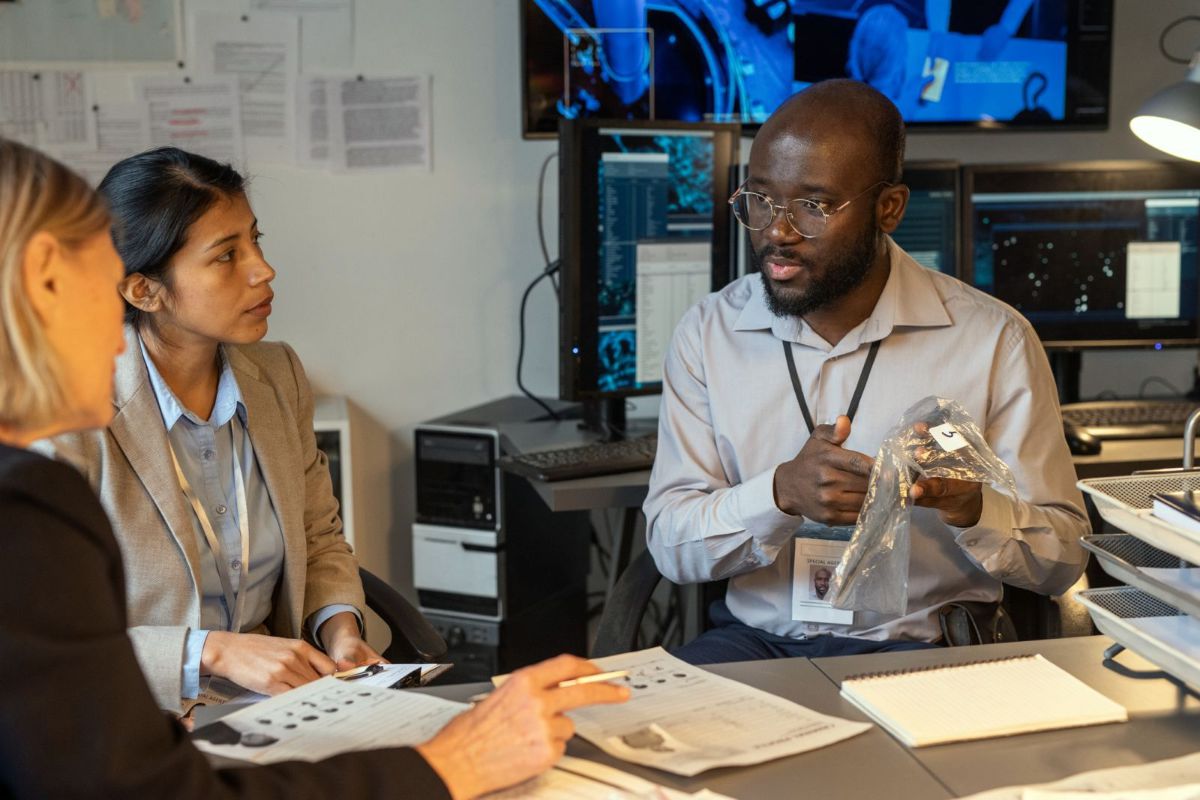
(205, 451)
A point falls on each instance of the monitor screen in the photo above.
(1094, 255)
(945, 63)
(929, 230)
(644, 234)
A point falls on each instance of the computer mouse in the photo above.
(1081, 441)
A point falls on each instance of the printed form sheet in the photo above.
(324, 718)
(122, 129)
(47, 108)
(684, 720)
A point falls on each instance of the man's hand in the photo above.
(266, 664)
(824, 482)
(958, 502)
(340, 636)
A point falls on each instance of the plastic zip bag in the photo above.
(935, 438)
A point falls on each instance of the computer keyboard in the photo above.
(602, 458)
(1130, 419)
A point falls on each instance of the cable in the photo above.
(540, 227)
(1162, 39)
(1162, 382)
(550, 269)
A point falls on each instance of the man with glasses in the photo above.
(779, 389)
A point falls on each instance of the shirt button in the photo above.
(208, 455)
(236, 563)
(220, 509)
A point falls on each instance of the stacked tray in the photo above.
(1158, 614)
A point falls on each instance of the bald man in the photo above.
(779, 389)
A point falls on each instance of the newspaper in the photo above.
(684, 720)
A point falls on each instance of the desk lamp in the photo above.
(1170, 120)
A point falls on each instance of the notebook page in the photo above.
(980, 700)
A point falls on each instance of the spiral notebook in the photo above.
(979, 700)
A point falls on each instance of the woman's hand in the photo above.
(343, 643)
(264, 664)
(519, 731)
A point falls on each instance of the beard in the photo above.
(843, 272)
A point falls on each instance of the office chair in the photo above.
(414, 640)
(1033, 616)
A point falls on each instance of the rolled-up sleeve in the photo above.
(1033, 540)
(700, 527)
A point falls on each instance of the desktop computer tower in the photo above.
(500, 576)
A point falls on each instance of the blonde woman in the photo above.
(79, 720)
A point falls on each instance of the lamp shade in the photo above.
(1170, 120)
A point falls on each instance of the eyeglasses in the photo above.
(807, 217)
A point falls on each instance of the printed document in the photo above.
(1173, 779)
(326, 31)
(263, 52)
(122, 129)
(577, 779)
(324, 718)
(380, 123)
(684, 720)
(47, 108)
(202, 116)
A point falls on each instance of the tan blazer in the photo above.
(129, 465)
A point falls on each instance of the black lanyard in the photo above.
(858, 390)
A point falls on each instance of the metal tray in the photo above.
(1125, 503)
(1124, 557)
(1149, 627)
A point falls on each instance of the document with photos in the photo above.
(218, 691)
(324, 718)
(685, 720)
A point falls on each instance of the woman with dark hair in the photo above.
(78, 718)
(235, 561)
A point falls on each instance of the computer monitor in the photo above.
(1095, 254)
(988, 64)
(644, 233)
(929, 230)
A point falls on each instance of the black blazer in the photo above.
(76, 716)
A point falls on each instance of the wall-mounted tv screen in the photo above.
(945, 63)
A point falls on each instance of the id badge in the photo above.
(817, 549)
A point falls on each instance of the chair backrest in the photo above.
(414, 640)
(625, 607)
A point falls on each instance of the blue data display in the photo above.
(652, 186)
(990, 62)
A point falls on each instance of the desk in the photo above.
(869, 765)
(1164, 722)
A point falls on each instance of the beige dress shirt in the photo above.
(729, 417)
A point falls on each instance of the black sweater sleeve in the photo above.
(76, 717)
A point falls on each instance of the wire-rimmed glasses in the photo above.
(807, 217)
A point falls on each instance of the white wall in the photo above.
(401, 291)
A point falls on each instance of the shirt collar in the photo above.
(909, 299)
(228, 402)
